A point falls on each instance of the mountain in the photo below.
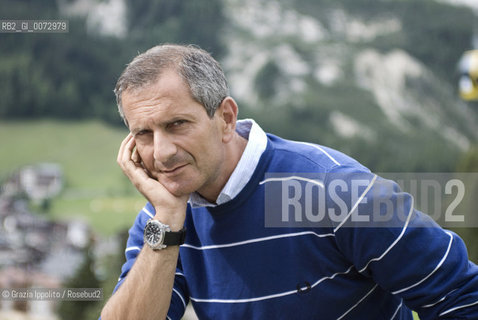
(358, 79)
(470, 3)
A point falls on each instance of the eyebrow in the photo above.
(136, 130)
(175, 118)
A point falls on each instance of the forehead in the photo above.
(163, 98)
(167, 83)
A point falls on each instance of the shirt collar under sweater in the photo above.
(256, 144)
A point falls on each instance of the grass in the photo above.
(95, 189)
(86, 150)
(106, 215)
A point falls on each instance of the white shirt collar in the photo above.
(256, 144)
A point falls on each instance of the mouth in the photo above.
(173, 171)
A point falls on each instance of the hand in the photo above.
(170, 209)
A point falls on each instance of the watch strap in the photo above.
(175, 238)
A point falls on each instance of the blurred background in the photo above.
(379, 80)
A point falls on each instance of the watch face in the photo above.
(153, 234)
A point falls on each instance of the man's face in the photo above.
(177, 141)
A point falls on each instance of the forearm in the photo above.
(146, 291)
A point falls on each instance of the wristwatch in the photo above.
(159, 236)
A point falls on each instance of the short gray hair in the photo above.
(201, 72)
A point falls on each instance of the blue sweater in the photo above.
(259, 256)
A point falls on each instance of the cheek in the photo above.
(146, 154)
(213, 156)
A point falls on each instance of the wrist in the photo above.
(174, 218)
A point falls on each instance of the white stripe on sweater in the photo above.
(459, 307)
(357, 203)
(396, 311)
(272, 296)
(240, 243)
(319, 183)
(133, 248)
(441, 299)
(180, 296)
(148, 212)
(321, 149)
(396, 240)
(358, 302)
(434, 270)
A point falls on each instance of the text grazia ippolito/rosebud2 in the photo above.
(68, 294)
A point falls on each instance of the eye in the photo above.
(141, 133)
(177, 123)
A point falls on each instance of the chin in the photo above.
(179, 189)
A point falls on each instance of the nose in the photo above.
(164, 148)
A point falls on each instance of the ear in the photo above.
(227, 113)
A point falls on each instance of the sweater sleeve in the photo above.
(179, 296)
(404, 250)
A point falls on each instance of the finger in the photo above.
(130, 161)
(126, 151)
(122, 148)
(141, 165)
(135, 156)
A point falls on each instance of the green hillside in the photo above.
(95, 188)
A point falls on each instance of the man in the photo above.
(218, 186)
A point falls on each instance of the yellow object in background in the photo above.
(468, 83)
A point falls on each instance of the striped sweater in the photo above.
(247, 259)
